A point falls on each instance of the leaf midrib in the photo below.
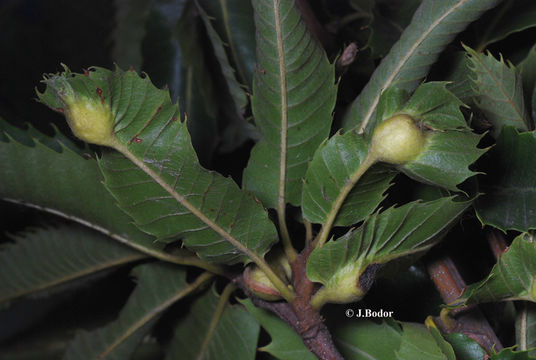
(215, 320)
(154, 312)
(500, 86)
(402, 62)
(284, 108)
(76, 275)
(227, 236)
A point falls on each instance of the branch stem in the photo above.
(261, 263)
(308, 232)
(337, 204)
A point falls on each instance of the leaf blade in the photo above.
(293, 97)
(66, 178)
(331, 168)
(509, 192)
(159, 286)
(347, 267)
(499, 83)
(61, 255)
(432, 28)
(157, 178)
(286, 344)
(233, 337)
(510, 279)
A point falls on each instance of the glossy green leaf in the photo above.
(388, 340)
(434, 108)
(43, 259)
(459, 77)
(512, 278)
(213, 333)
(365, 339)
(513, 16)
(69, 185)
(499, 92)
(464, 347)
(509, 198)
(159, 286)
(286, 344)
(156, 187)
(418, 343)
(511, 354)
(446, 159)
(331, 168)
(434, 25)
(450, 145)
(441, 342)
(526, 327)
(233, 21)
(293, 97)
(396, 232)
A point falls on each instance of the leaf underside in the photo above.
(450, 145)
(171, 203)
(234, 336)
(60, 255)
(159, 286)
(286, 344)
(293, 96)
(365, 339)
(511, 278)
(329, 171)
(237, 93)
(450, 149)
(396, 232)
(499, 92)
(526, 326)
(66, 180)
(446, 159)
(434, 25)
(508, 201)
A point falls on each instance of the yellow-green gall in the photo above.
(87, 113)
(90, 120)
(397, 140)
(348, 285)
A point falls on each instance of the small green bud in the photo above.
(397, 140)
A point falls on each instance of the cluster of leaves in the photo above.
(269, 77)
